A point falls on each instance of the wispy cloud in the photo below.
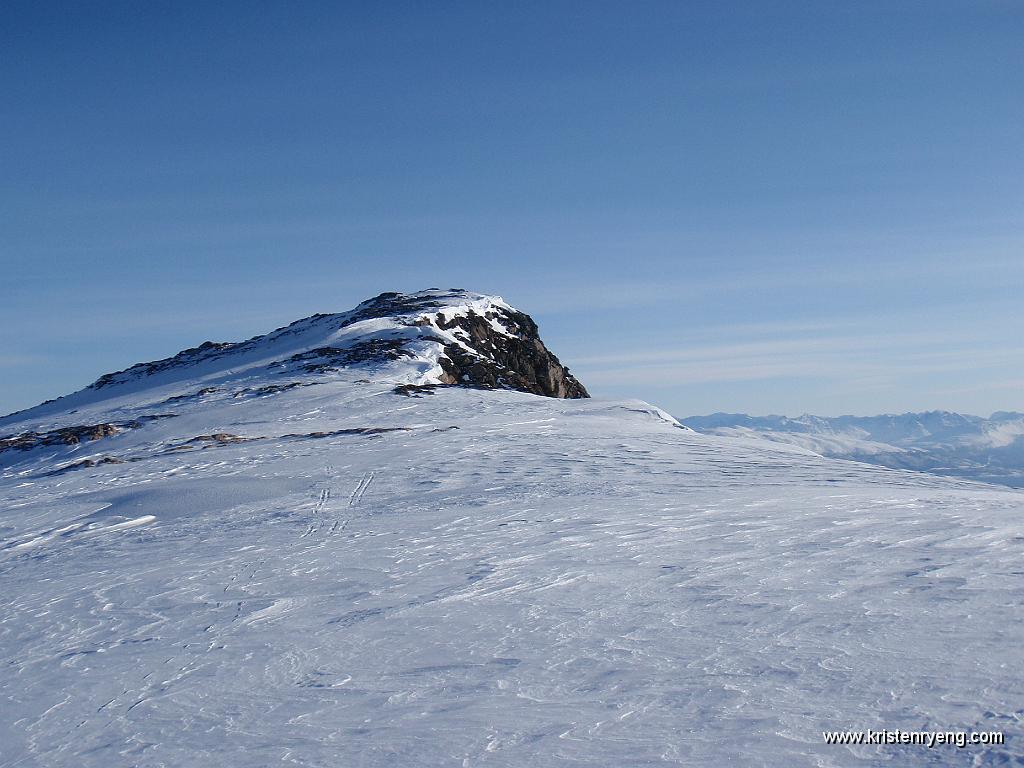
(874, 360)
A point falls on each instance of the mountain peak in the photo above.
(427, 338)
(394, 304)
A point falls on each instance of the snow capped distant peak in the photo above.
(936, 441)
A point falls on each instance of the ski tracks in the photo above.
(325, 522)
(354, 498)
(361, 487)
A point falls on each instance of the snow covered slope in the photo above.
(990, 450)
(426, 338)
(328, 568)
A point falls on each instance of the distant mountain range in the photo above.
(943, 443)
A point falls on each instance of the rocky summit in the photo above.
(416, 341)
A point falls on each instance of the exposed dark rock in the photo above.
(81, 433)
(271, 389)
(190, 396)
(516, 361)
(225, 438)
(326, 359)
(64, 436)
(352, 431)
(84, 463)
(216, 439)
(391, 304)
(208, 350)
(221, 437)
(490, 359)
(415, 390)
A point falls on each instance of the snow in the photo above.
(249, 360)
(503, 580)
(990, 450)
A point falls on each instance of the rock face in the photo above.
(517, 360)
(495, 346)
(485, 343)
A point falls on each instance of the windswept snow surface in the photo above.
(489, 578)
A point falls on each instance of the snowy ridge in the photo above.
(395, 338)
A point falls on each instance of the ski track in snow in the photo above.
(361, 487)
(553, 584)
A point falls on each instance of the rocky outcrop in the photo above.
(208, 350)
(326, 359)
(499, 348)
(515, 359)
(65, 436)
(84, 464)
(81, 433)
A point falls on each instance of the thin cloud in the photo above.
(875, 360)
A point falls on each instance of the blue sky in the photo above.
(764, 207)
